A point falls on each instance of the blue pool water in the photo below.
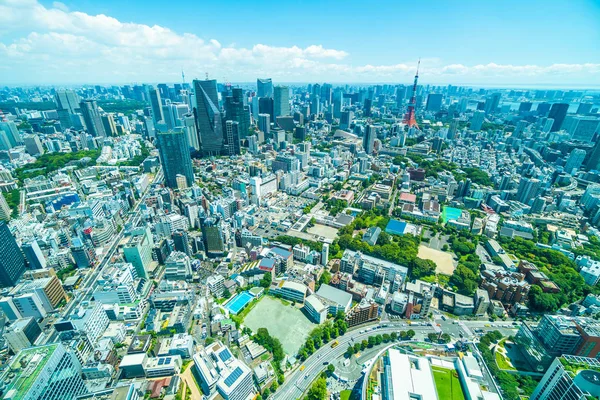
(238, 303)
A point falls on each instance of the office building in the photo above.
(281, 101)
(264, 123)
(477, 120)
(212, 236)
(237, 110)
(156, 106)
(584, 108)
(178, 266)
(208, 117)
(575, 160)
(232, 138)
(434, 102)
(48, 372)
(315, 308)
(5, 211)
(492, 103)
(264, 87)
(369, 139)
(12, 262)
(22, 334)
(67, 100)
(558, 112)
(220, 372)
(528, 189)
(174, 150)
(92, 118)
(110, 127)
(33, 145)
(138, 251)
(33, 254)
(189, 125)
(570, 378)
(585, 128)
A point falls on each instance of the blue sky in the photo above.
(469, 42)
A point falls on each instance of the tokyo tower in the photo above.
(409, 118)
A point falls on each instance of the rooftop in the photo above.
(26, 367)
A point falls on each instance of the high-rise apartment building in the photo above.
(477, 120)
(434, 102)
(12, 262)
(575, 160)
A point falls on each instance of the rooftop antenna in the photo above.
(206, 74)
(182, 76)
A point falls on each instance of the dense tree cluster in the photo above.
(50, 162)
(558, 268)
(323, 334)
(513, 386)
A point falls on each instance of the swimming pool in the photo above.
(238, 303)
(451, 213)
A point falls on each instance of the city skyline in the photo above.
(111, 43)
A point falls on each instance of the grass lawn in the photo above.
(502, 362)
(447, 383)
(345, 394)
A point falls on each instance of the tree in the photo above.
(371, 341)
(266, 280)
(378, 339)
(318, 390)
(349, 351)
(384, 238)
(330, 369)
(432, 337)
(357, 347)
(446, 338)
(386, 337)
(266, 393)
(274, 386)
(410, 334)
(280, 378)
(394, 335)
(226, 293)
(364, 344)
(445, 247)
(310, 346)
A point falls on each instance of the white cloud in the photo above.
(55, 45)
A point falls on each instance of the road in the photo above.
(92, 277)
(298, 381)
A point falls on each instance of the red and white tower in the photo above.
(409, 118)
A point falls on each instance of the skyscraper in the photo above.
(369, 139)
(174, 150)
(264, 123)
(156, 106)
(67, 100)
(528, 189)
(236, 110)
(92, 118)
(492, 103)
(434, 102)
(34, 255)
(477, 120)
(212, 236)
(570, 377)
(208, 117)
(575, 160)
(558, 112)
(584, 108)
(542, 109)
(49, 372)
(232, 138)
(281, 101)
(5, 211)
(264, 87)
(12, 262)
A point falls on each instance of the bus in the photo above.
(334, 344)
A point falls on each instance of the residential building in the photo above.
(174, 150)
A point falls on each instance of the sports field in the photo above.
(447, 383)
(443, 261)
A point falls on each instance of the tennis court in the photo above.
(451, 213)
(238, 303)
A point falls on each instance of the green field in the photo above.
(345, 394)
(447, 383)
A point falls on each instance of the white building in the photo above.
(178, 266)
(221, 372)
(215, 285)
(316, 309)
